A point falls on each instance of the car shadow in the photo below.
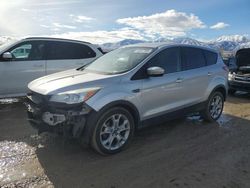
(157, 155)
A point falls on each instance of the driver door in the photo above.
(27, 63)
(164, 93)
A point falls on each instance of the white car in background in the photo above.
(31, 58)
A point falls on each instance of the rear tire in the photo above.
(113, 131)
(214, 107)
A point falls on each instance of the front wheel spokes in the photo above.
(123, 126)
(108, 142)
(106, 129)
(116, 119)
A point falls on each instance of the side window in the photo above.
(169, 59)
(192, 58)
(68, 50)
(211, 57)
(33, 50)
(20, 52)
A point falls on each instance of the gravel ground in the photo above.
(181, 153)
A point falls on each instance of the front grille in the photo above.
(242, 78)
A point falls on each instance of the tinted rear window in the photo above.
(68, 50)
(192, 58)
(211, 57)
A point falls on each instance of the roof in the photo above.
(151, 44)
(51, 38)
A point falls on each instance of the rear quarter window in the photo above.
(211, 57)
(192, 58)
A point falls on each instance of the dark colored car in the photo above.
(239, 74)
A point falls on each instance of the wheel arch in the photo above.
(222, 89)
(94, 116)
(124, 104)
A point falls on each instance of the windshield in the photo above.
(119, 61)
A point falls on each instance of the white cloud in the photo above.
(45, 26)
(169, 23)
(58, 25)
(81, 19)
(101, 36)
(53, 3)
(12, 24)
(219, 25)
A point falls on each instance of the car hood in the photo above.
(69, 80)
(243, 57)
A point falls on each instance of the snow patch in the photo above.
(9, 101)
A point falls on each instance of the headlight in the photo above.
(74, 96)
(231, 76)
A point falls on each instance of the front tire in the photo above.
(113, 131)
(214, 107)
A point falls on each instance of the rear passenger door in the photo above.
(195, 75)
(67, 55)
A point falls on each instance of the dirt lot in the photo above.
(182, 153)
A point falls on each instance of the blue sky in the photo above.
(112, 20)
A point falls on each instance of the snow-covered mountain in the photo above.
(244, 45)
(226, 43)
(189, 41)
(132, 41)
(230, 42)
(233, 38)
(121, 43)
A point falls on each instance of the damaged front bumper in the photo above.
(45, 116)
(239, 82)
(240, 86)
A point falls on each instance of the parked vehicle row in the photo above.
(31, 58)
(103, 103)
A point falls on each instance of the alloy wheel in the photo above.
(115, 132)
(216, 106)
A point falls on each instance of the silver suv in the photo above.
(31, 58)
(103, 103)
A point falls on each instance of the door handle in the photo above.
(209, 73)
(179, 80)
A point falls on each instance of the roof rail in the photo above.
(49, 38)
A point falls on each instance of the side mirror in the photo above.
(155, 71)
(7, 56)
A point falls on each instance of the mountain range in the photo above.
(228, 43)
